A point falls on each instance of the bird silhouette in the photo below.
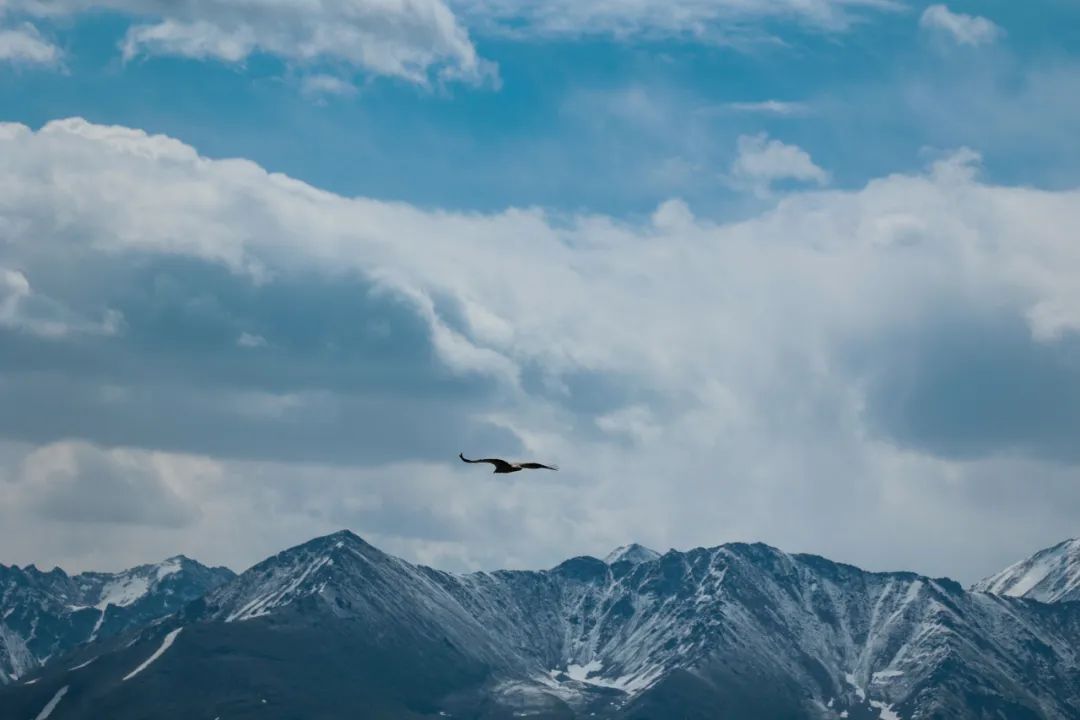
(502, 466)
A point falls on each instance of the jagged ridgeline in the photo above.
(336, 628)
(44, 615)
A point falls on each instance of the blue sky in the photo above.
(776, 271)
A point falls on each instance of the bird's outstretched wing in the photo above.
(537, 466)
(499, 464)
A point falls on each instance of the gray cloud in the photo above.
(343, 374)
(320, 427)
(24, 309)
(79, 483)
(971, 385)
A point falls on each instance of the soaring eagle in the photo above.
(501, 466)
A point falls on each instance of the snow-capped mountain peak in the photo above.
(632, 553)
(324, 569)
(1050, 575)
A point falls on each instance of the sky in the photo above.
(803, 272)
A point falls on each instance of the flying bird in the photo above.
(501, 466)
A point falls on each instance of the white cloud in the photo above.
(248, 340)
(761, 161)
(198, 39)
(321, 85)
(735, 353)
(673, 215)
(710, 20)
(964, 29)
(409, 39)
(24, 44)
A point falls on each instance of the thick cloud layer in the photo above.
(846, 362)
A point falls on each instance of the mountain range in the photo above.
(46, 614)
(335, 628)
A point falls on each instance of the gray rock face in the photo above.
(47, 614)
(335, 628)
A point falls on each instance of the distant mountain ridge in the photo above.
(1050, 575)
(47, 614)
(335, 628)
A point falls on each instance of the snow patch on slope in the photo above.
(97, 625)
(281, 594)
(165, 645)
(82, 665)
(167, 568)
(582, 672)
(632, 553)
(884, 709)
(123, 591)
(48, 709)
(17, 655)
(887, 713)
(590, 674)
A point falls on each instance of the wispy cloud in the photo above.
(768, 107)
(414, 41)
(320, 85)
(964, 29)
(701, 20)
(248, 340)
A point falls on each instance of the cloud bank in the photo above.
(847, 360)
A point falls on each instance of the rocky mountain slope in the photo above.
(47, 614)
(335, 628)
(1050, 575)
